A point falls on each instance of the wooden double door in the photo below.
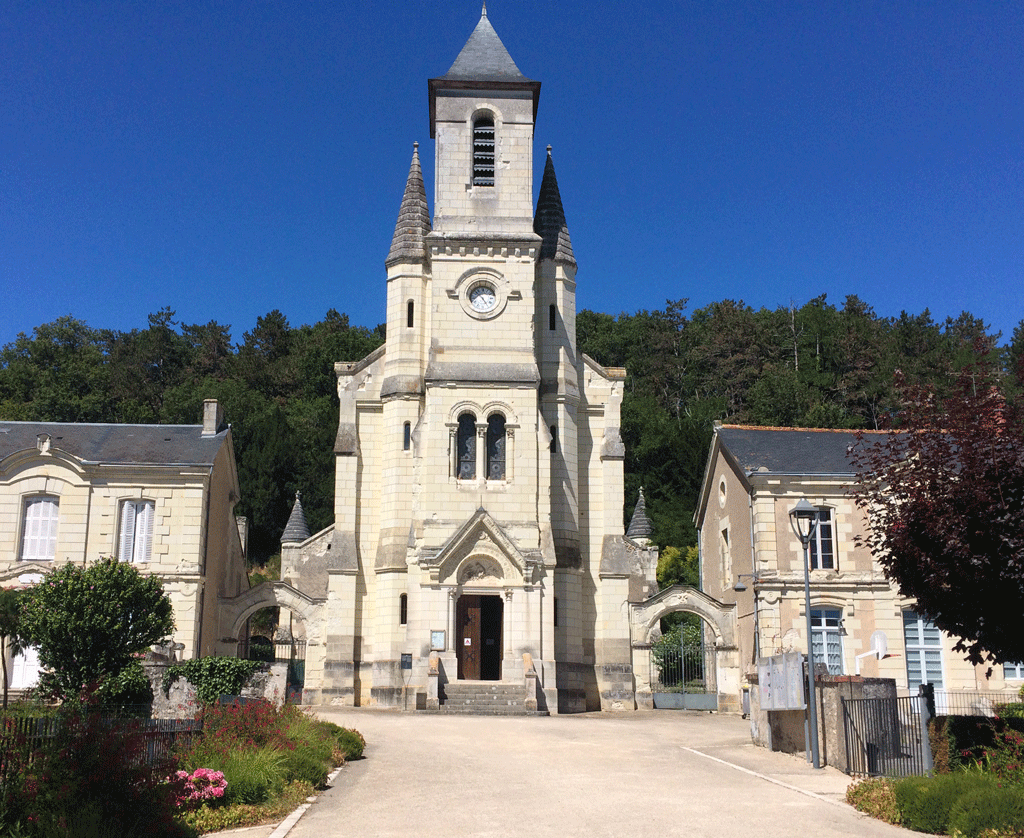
(478, 637)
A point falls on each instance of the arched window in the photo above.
(466, 446)
(403, 609)
(553, 447)
(483, 151)
(552, 317)
(409, 315)
(407, 436)
(495, 447)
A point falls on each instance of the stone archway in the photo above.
(311, 612)
(720, 617)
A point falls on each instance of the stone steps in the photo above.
(486, 698)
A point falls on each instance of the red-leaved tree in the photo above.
(944, 495)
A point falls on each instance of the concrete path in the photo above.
(661, 773)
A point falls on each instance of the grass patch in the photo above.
(875, 797)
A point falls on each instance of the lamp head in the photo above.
(803, 517)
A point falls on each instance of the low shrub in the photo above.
(92, 778)
(253, 774)
(987, 811)
(924, 803)
(874, 797)
(307, 765)
(351, 742)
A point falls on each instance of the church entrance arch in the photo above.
(478, 620)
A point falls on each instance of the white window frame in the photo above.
(39, 528)
(827, 638)
(923, 647)
(823, 548)
(1013, 671)
(135, 532)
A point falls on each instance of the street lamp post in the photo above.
(804, 519)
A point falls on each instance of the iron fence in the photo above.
(688, 668)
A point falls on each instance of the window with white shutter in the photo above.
(39, 536)
(135, 540)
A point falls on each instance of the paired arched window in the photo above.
(495, 447)
(483, 151)
(466, 447)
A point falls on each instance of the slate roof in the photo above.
(549, 222)
(484, 57)
(408, 243)
(116, 444)
(790, 450)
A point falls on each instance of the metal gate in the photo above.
(683, 677)
(886, 736)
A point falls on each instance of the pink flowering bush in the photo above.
(202, 785)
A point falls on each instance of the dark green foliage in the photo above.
(91, 779)
(129, 688)
(90, 623)
(981, 811)
(212, 676)
(925, 803)
(813, 365)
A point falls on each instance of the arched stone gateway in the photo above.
(720, 617)
(235, 611)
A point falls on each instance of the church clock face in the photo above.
(483, 298)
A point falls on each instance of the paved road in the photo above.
(661, 774)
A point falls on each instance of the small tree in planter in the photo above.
(90, 623)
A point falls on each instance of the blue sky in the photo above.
(231, 157)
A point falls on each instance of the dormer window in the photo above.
(483, 151)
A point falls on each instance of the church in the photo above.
(478, 533)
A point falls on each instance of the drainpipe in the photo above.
(754, 578)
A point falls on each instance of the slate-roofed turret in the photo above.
(549, 221)
(639, 525)
(296, 530)
(413, 225)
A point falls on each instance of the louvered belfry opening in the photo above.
(483, 151)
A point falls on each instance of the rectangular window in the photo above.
(135, 541)
(826, 638)
(822, 549)
(1013, 671)
(39, 538)
(924, 651)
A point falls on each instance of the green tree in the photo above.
(57, 375)
(89, 623)
(12, 640)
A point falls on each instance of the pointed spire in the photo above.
(407, 245)
(484, 57)
(296, 530)
(639, 526)
(549, 222)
